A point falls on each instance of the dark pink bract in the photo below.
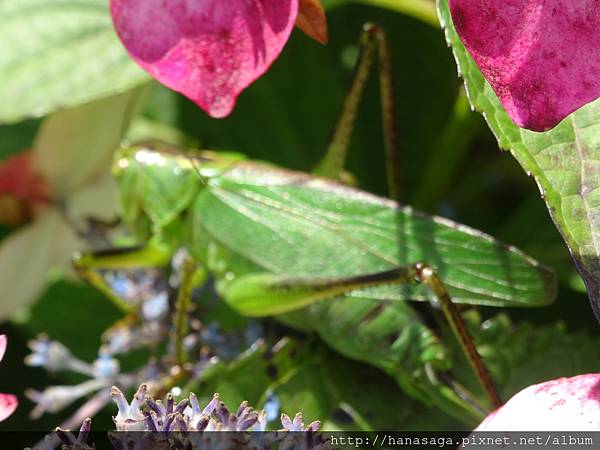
(209, 50)
(541, 57)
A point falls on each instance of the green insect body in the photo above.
(327, 258)
(316, 253)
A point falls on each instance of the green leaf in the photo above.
(59, 53)
(63, 309)
(423, 10)
(255, 374)
(521, 354)
(17, 137)
(310, 378)
(74, 147)
(564, 162)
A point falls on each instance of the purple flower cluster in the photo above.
(147, 414)
(146, 423)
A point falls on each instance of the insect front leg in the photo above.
(88, 264)
(157, 256)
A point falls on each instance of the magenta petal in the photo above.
(541, 57)
(3, 343)
(209, 50)
(8, 404)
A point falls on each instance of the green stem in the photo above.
(448, 152)
(184, 297)
(423, 10)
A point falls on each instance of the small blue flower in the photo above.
(54, 356)
(105, 366)
(272, 407)
(55, 398)
(156, 307)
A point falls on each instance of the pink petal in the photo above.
(8, 404)
(3, 343)
(21, 178)
(540, 56)
(566, 404)
(209, 50)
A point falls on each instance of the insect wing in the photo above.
(292, 224)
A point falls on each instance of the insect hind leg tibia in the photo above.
(373, 44)
(427, 275)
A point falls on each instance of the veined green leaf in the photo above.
(59, 53)
(564, 162)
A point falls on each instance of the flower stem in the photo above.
(182, 307)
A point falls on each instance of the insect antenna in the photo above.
(193, 162)
(462, 392)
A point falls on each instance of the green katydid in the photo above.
(323, 256)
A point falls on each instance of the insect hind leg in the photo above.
(427, 275)
(263, 294)
(373, 46)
